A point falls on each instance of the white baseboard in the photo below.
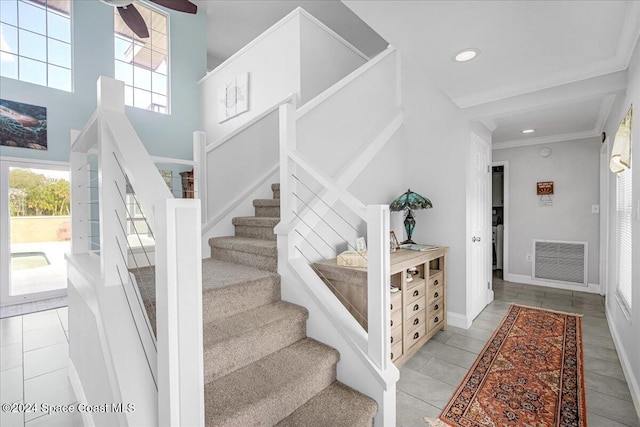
(634, 387)
(78, 390)
(527, 280)
(458, 320)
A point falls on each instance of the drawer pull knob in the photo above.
(391, 356)
(391, 340)
(435, 282)
(436, 295)
(416, 335)
(391, 322)
(416, 293)
(391, 306)
(416, 321)
(435, 319)
(435, 307)
(416, 307)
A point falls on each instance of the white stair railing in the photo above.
(106, 158)
(321, 218)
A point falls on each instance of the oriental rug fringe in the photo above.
(530, 373)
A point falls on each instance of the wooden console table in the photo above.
(417, 309)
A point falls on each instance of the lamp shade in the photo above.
(410, 200)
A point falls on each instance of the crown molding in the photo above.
(570, 136)
(603, 113)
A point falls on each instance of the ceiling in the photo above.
(552, 66)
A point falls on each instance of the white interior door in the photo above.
(479, 233)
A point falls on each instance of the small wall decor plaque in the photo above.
(234, 97)
(545, 188)
(23, 125)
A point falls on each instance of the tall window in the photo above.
(143, 64)
(35, 41)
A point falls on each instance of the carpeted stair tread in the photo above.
(218, 274)
(266, 203)
(256, 221)
(245, 244)
(270, 389)
(235, 341)
(336, 406)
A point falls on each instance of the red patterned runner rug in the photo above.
(530, 373)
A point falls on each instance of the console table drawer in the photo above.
(396, 301)
(436, 319)
(396, 319)
(416, 320)
(396, 350)
(436, 305)
(396, 335)
(414, 307)
(435, 294)
(435, 280)
(415, 335)
(416, 292)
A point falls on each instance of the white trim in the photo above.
(606, 104)
(342, 83)
(593, 288)
(34, 161)
(604, 217)
(266, 112)
(78, 391)
(562, 137)
(630, 33)
(296, 12)
(172, 161)
(208, 225)
(458, 320)
(627, 369)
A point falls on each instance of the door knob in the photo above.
(478, 239)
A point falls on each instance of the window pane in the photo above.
(128, 95)
(8, 65)
(159, 83)
(9, 11)
(142, 57)
(60, 78)
(158, 42)
(159, 101)
(59, 27)
(33, 45)
(32, 18)
(8, 38)
(123, 49)
(59, 53)
(142, 78)
(33, 71)
(141, 98)
(124, 72)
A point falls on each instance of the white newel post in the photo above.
(378, 284)
(112, 209)
(179, 313)
(200, 170)
(288, 204)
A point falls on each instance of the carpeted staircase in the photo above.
(259, 366)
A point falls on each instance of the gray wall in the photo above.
(92, 26)
(573, 166)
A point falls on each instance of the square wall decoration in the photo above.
(234, 97)
(23, 125)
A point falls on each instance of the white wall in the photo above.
(273, 64)
(573, 166)
(434, 162)
(625, 330)
(324, 58)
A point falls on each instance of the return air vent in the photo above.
(560, 261)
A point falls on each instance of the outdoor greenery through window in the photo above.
(35, 42)
(143, 64)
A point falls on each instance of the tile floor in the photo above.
(429, 379)
(34, 350)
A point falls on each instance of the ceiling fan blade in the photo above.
(180, 5)
(134, 20)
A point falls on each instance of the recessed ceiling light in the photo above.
(465, 55)
(528, 131)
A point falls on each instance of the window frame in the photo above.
(47, 37)
(152, 106)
